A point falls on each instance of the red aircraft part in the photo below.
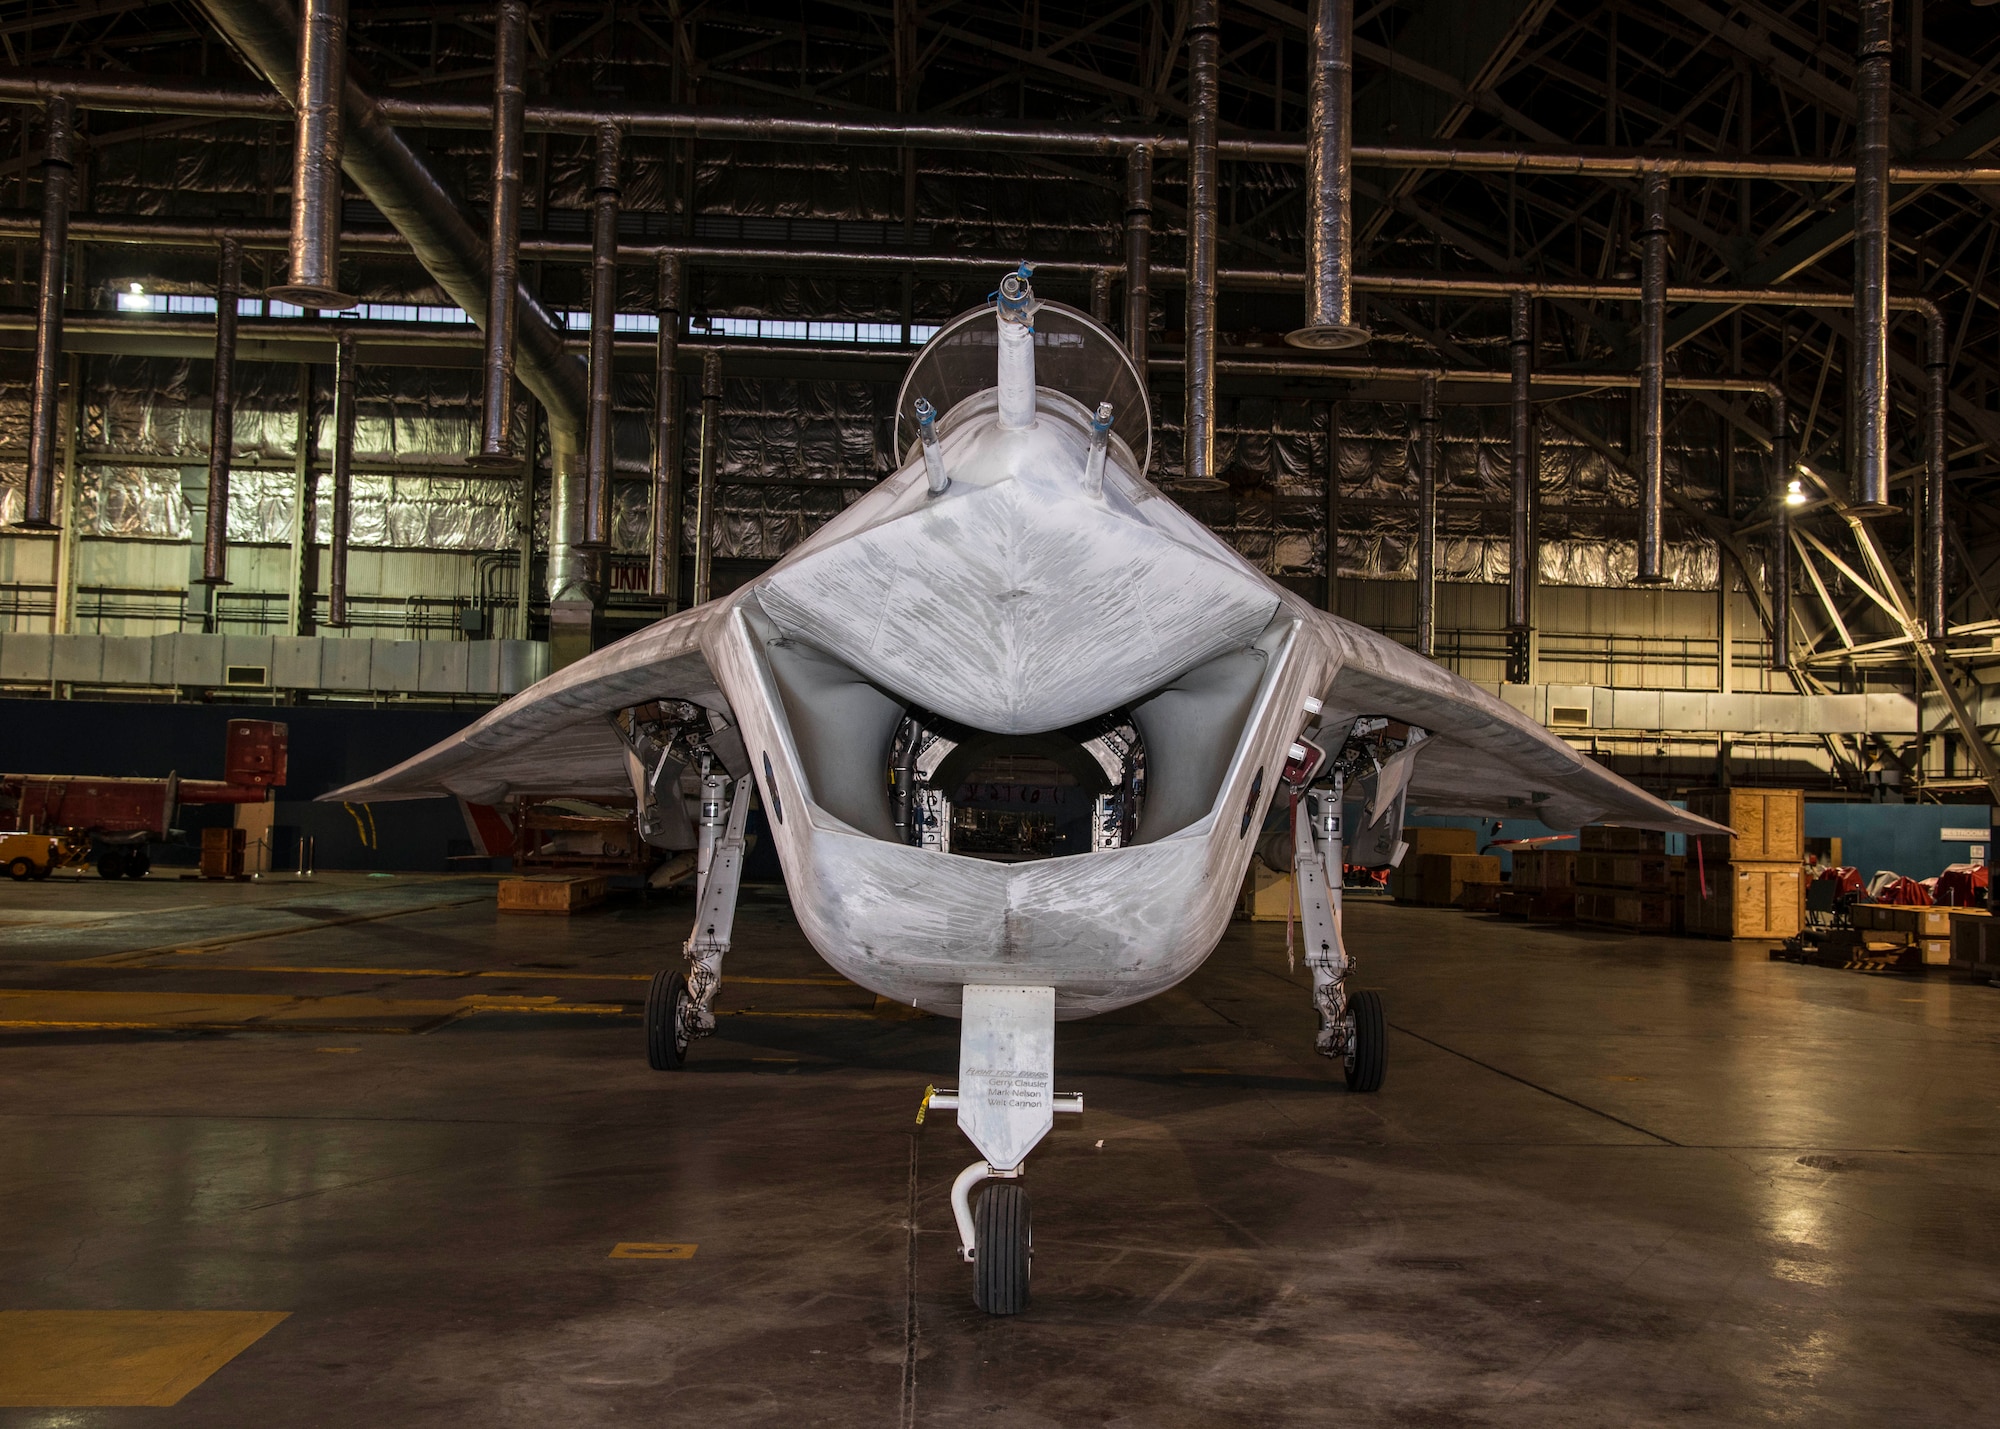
(254, 758)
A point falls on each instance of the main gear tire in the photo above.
(667, 1021)
(1003, 1249)
(1369, 1059)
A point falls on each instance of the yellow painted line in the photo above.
(114, 959)
(458, 973)
(336, 1049)
(91, 1359)
(651, 1250)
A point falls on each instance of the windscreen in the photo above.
(1074, 355)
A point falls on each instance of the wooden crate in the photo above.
(1603, 838)
(1446, 874)
(1545, 868)
(1267, 896)
(1747, 900)
(1477, 897)
(1975, 942)
(1897, 918)
(1622, 870)
(1619, 908)
(222, 853)
(1543, 905)
(1425, 842)
(552, 893)
(1770, 825)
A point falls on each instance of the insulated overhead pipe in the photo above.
(1935, 457)
(314, 275)
(58, 172)
(711, 450)
(503, 244)
(222, 415)
(1871, 262)
(1138, 252)
(603, 321)
(663, 578)
(1652, 379)
(344, 366)
(1330, 183)
(1427, 474)
(1781, 533)
(1204, 64)
(1520, 551)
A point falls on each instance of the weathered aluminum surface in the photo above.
(1007, 1071)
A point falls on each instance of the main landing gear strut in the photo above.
(680, 1004)
(1351, 1026)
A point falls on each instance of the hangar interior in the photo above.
(1638, 362)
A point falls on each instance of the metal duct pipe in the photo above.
(1204, 64)
(603, 322)
(396, 181)
(222, 415)
(503, 245)
(1935, 456)
(344, 367)
(58, 173)
(314, 275)
(1871, 261)
(711, 451)
(1138, 251)
(1781, 535)
(95, 89)
(1521, 347)
(664, 568)
(1330, 182)
(1652, 379)
(1427, 463)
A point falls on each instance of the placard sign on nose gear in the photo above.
(1006, 1071)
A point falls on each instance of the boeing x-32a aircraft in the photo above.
(1018, 587)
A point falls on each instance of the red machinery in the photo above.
(120, 817)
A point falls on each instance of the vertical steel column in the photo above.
(1871, 261)
(1520, 550)
(222, 415)
(1935, 456)
(664, 571)
(58, 169)
(503, 242)
(343, 480)
(1330, 182)
(1781, 535)
(1204, 63)
(1427, 472)
(603, 318)
(704, 491)
(1138, 252)
(305, 512)
(1100, 295)
(313, 280)
(1652, 377)
(1333, 507)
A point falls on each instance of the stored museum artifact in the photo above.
(1018, 611)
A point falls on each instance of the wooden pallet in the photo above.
(552, 893)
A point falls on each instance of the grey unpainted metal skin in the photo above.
(1015, 602)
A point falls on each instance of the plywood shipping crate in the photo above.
(1770, 825)
(552, 893)
(1476, 897)
(1267, 896)
(1633, 910)
(1975, 943)
(1604, 838)
(1747, 900)
(1544, 868)
(1446, 874)
(1900, 918)
(222, 853)
(1424, 842)
(1623, 870)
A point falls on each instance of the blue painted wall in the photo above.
(1903, 837)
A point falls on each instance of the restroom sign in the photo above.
(1963, 836)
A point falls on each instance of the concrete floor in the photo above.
(1610, 1181)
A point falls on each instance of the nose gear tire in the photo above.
(667, 1021)
(1368, 1060)
(1003, 1249)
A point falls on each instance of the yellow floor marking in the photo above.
(890, 1010)
(20, 1007)
(75, 1359)
(651, 1250)
(336, 1049)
